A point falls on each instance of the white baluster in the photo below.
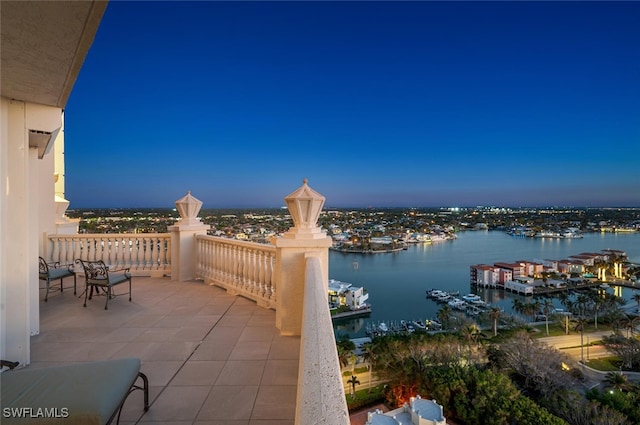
(77, 253)
(148, 253)
(55, 252)
(167, 252)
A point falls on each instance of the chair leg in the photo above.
(106, 303)
(74, 284)
(46, 295)
(129, 290)
(86, 292)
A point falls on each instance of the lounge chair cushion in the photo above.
(90, 392)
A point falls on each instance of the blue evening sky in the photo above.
(411, 104)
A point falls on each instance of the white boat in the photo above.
(480, 304)
(436, 293)
(457, 303)
(473, 310)
(471, 298)
(418, 324)
(433, 325)
(383, 327)
(408, 327)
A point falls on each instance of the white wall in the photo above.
(20, 202)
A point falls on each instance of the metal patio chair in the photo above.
(99, 277)
(54, 271)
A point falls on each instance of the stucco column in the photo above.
(303, 239)
(20, 165)
(64, 224)
(183, 238)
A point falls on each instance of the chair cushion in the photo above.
(118, 277)
(58, 273)
(90, 392)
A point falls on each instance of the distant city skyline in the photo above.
(382, 104)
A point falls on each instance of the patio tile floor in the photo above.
(211, 358)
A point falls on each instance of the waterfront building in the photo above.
(570, 266)
(585, 258)
(550, 265)
(519, 287)
(532, 268)
(613, 252)
(417, 412)
(381, 240)
(487, 276)
(520, 277)
(421, 237)
(345, 294)
(516, 269)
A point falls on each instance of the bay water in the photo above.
(397, 282)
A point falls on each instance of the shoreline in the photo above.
(366, 251)
(352, 313)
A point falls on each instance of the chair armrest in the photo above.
(57, 265)
(126, 269)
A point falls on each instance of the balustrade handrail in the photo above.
(145, 254)
(321, 397)
(244, 268)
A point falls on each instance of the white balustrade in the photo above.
(145, 254)
(244, 268)
(321, 398)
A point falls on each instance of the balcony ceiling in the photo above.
(43, 46)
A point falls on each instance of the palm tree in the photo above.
(547, 306)
(518, 306)
(619, 323)
(582, 301)
(617, 380)
(580, 324)
(470, 332)
(353, 381)
(536, 306)
(636, 298)
(626, 322)
(369, 356)
(597, 303)
(345, 351)
(495, 314)
(563, 297)
(635, 322)
(444, 314)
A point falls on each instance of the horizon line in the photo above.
(376, 207)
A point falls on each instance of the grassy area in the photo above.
(558, 329)
(341, 309)
(605, 364)
(365, 397)
(356, 371)
(541, 332)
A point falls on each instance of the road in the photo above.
(574, 340)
